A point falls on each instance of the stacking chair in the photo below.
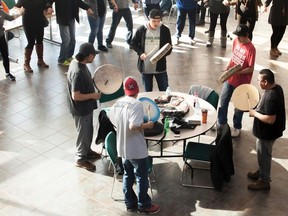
(110, 146)
(172, 9)
(219, 154)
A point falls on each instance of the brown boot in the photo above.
(259, 185)
(27, 58)
(39, 51)
(274, 52)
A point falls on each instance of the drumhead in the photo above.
(108, 78)
(151, 110)
(245, 97)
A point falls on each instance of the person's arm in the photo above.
(268, 119)
(148, 125)
(77, 96)
(8, 17)
(85, 6)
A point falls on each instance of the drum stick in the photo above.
(149, 116)
(249, 103)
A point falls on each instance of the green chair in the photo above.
(111, 149)
(10, 3)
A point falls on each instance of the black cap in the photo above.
(155, 14)
(241, 30)
(86, 49)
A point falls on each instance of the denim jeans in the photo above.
(225, 97)
(116, 17)
(181, 18)
(264, 156)
(67, 34)
(161, 78)
(96, 29)
(136, 168)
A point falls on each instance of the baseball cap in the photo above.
(155, 14)
(130, 86)
(241, 30)
(86, 49)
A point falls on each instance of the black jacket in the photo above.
(138, 44)
(222, 166)
(67, 9)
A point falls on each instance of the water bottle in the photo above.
(196, 104)
(168, 91)
(166, 125)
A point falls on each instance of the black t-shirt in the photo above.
(271, 103)
(79, 79)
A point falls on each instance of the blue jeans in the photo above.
(181, 18)
(67, 34)
(225, 97)
(161, 78)
(264, 156)
(137, 168)
(96, 29)
(116, 17)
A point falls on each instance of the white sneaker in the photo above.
(177, 41)
(192, 42)
(235, 132)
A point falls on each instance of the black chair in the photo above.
(219, 154)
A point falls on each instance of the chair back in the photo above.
(10, 3)
(110, 146)
(108, 97)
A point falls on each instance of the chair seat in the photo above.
(199, 151)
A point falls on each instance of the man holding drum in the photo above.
(269, 124)
(243, 53)
(82, 101)
(148, 39)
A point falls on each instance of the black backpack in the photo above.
(105, 126)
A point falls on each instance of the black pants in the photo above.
(33, 33)
(277, 35)
(223, 21)
(250, 22)
(4, 53)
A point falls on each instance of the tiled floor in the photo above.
(37, 136)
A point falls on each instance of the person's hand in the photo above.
(226, 2)
(143, 56)
(90, 12)
(96, 96)
(49, 11)
(149, 125)
(22, 11)
(115, 8)
(136, 5)
(265, 9)
(252, 113)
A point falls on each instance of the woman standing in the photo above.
(278, 18)
(34, 21)
(3, 43)
(247, 13)
(217, 8)
(97, 20)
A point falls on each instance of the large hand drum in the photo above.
(245, 97)
(108, 78)
(151, 110)
(227, 74)
(160, 53)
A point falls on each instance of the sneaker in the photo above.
(70, 59)
(152, 210)
(103, 48)
(109, 45)
(192, 41)
(66, 63)
(259, 185)
(177, 41)
(278, 51)
(86, 165)
(235, 132)
(274, 52)
(208, 44)
(253, 175)
(93, 155)
(10, 77)
(132, 209)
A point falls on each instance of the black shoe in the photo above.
(132, 209)
(109, 45)
(10, 77)
(253, 176)
(103, 48)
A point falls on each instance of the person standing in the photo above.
(269, 124)
(185, 7)
(3, 42)
(243, 54)
(82, 101)
(131, 146)
(247, 13)
(124, 11)
(33, 20)
(97, 20)
(278, 19)
(148, 39)
(218, 8)
(67, 11)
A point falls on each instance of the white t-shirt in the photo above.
(130, 143)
